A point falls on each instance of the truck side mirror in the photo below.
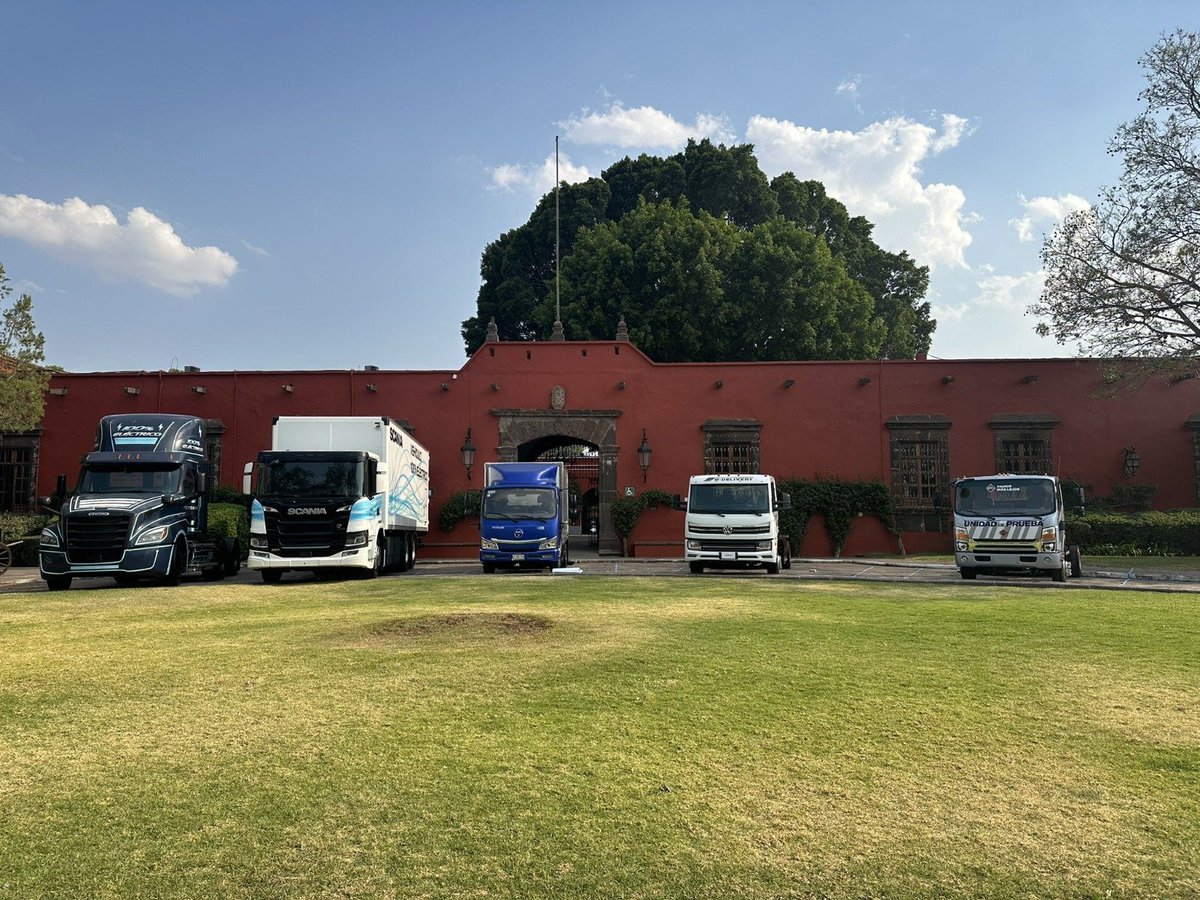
(678, 502)
(201, 482)
(247, 472)
(60, 487)
(785, 501)
(1077, 496)
(51, 503)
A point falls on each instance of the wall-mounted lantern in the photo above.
(468, 454)
(788, 382)
(864, 381)
(644, 452)
(1133, 462)
(199, 389)
(287, 388)
(132, 391)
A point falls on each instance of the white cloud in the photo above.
(642, 127)
(538, 179)
(145, 248)
(1045, 210)
(258, 251)
(1010, 292)
(945, 314)
(876, 172)
(850, 88)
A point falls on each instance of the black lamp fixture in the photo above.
(1133, 462)
(468, 453)
(644, 452)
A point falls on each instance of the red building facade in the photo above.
(912, 424)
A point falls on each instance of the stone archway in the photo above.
(590, 426)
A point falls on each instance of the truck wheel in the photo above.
(412, 551)
(773, 567)
(232, 563)
(58, 582)
(1073, 557)
(787, 553)
(565, 559)
(489, 568)
(178, 563)
(380, 559)
(272, 576)
(215, 572)
(695, 568)
(1059, 575)
(968, 573)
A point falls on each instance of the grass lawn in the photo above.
(599, 737)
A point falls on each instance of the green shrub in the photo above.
(14, 526)
(223, 493)
(840, 502)
(1175, 533)
(459, 506)
(230, 520)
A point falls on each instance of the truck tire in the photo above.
(178, 563)
(232, 563)
(564, 560)
(380, 558)
(271, 576)
(1059, 575)
(412, 551)
(773, 567)
(215, 572)
(1073, 557)
(58, 582)
(787, 553)
(968, 573)
(489, 568)
(696, 568)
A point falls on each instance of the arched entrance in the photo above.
(582, 461)
(528, 434)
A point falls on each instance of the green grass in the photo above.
(599, 737)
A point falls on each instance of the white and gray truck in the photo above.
(732, 521)
(1011, 523)
(337, 494)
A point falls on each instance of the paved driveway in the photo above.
(26, 580)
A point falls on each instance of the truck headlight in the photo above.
(693, 545)
(258, 542)
(763, 545)
(1050, 538)
(960, 545)
(49, 538)
(548, 544)
(153, 535)
(486, 544)
(356, 539)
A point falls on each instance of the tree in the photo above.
(1123, 278)
(23, 378)
(724, 218)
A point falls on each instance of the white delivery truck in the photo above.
(732, 521)
(337, 493)
(1005, 523)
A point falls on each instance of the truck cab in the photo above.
(732, 521)
(139, 509)
(1006, 523)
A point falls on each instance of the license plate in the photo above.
(517, 556)
(727, 555)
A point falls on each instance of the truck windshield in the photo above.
(124, 479)
(311, 479)
(721, 499)
(519, 503)
(1005, 497)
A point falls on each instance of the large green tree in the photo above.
(1123, 278)
(759, 260)
(23, 376)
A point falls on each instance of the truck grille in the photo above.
(96, 539)
(736, 529)
(718, 545)
(1005, 547)
(306, 536)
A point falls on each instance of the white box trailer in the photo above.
(337, 492)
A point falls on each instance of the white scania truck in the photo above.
(347, 493)
(1005, 523)
(732, 521)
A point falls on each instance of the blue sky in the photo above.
(311, 185)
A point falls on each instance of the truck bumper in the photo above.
(363, 558)
(731, 559)
(142, 561)
(1042, 560)
(532, 558)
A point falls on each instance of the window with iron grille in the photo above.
(920, 449)
(1023, 443)
(731, 446)
(18, 471)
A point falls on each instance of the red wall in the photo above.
(829, 423)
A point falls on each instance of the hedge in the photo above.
(1175, 533)
(457, 507)
(14, 526)
(230, 520)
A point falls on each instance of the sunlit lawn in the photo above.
(599, 737)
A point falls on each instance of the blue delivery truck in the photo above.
(524, 519)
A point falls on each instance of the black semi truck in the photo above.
(139, 510)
